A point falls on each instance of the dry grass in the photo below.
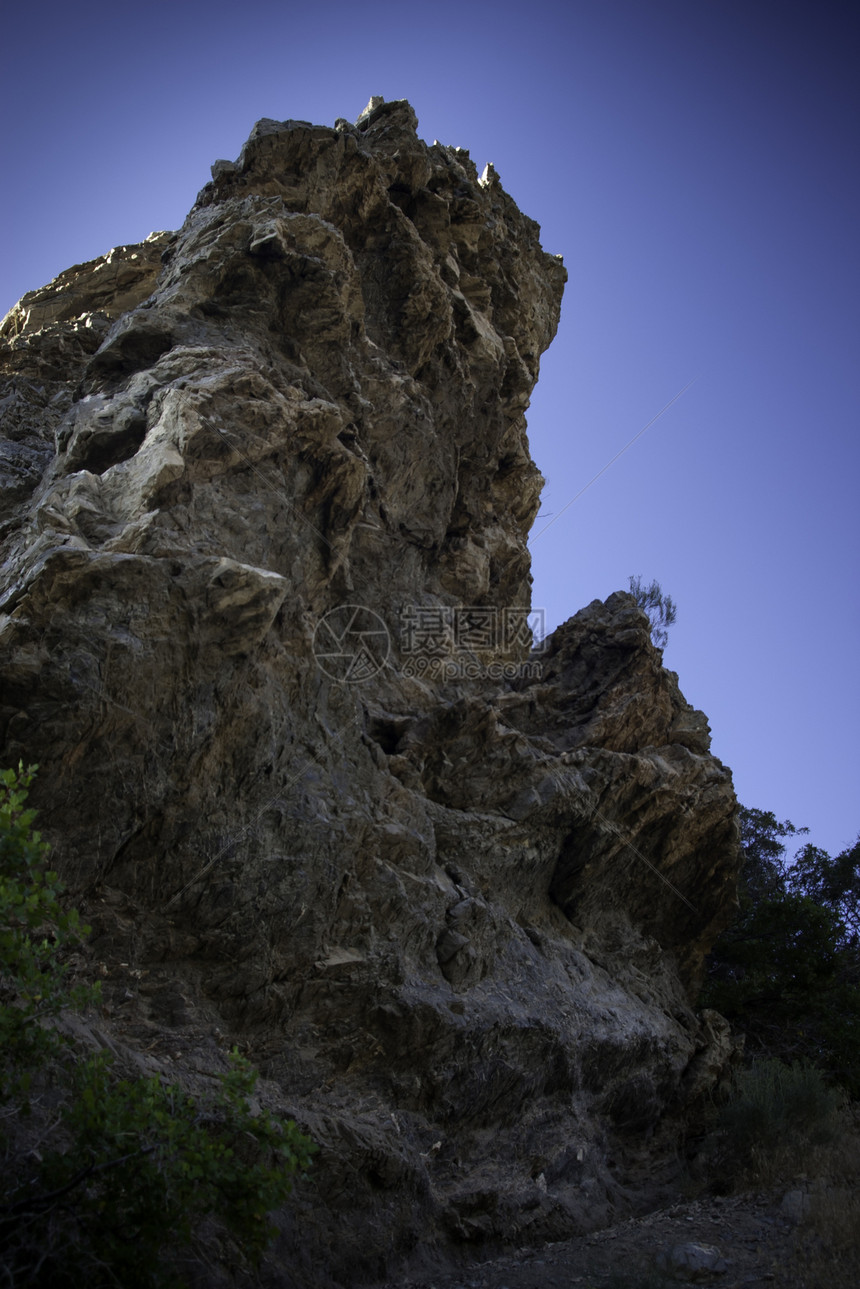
(827, 1244)
(782, 1129)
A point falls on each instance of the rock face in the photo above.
(266, 490)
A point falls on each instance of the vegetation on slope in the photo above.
(105, 1180)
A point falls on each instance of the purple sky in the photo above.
(697, 164)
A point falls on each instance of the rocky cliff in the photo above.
(265, 491)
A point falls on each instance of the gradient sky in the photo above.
(697, 164)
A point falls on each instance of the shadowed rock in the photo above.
(264, 509)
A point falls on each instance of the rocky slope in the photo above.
(265, 491)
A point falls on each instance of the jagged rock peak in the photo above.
(375, 101)
(343, 253)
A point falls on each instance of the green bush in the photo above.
(772, 1118)
(109, 1185)
(771, 1103)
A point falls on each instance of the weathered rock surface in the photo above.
(266, 490)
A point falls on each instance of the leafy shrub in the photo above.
(122, 1171)
(774, 1114)
(771, 1101)
(33, 931)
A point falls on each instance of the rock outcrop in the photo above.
(265, 491)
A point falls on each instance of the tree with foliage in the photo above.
(660, 608)
(833, 883)
(787, 972)
(105, 1179)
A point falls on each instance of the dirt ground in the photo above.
(758, 1241)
